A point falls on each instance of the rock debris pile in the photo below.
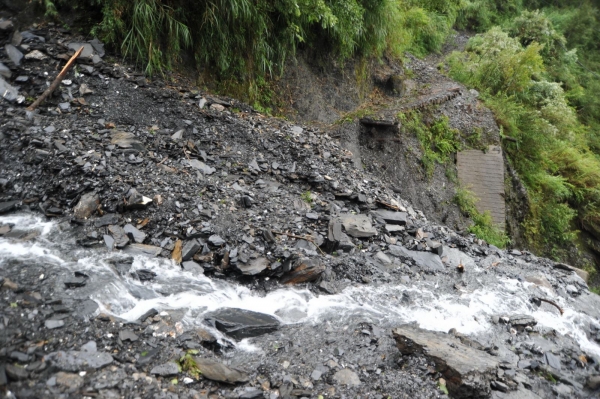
(133, 167)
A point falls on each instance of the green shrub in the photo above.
(438, 140)
(483, 226)
(552, 153)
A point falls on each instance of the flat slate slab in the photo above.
(425, 260)
(241, 323)
(468, 371)
(483, 174)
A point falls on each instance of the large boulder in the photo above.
(468, 371)
(241, 323)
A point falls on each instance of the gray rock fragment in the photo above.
(217, 371)
(468, 371)
(347, 377)
(240, 323)
(425, 260)
(78, 361)
(166, 369)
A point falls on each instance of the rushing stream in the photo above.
(54, 251)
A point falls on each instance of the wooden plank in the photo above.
(483, 174)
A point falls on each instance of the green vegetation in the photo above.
(188, 364)
(531, 81)
(482, 227)
(307, 197)
(242, 44)
(438, 140)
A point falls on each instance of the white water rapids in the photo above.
(469, 312)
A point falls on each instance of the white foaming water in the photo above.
(388, 305)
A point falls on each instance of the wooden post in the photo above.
(56, 82)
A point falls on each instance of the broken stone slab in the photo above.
(165, 369)
(391, 217)
(126, 140)
(336, 238)
(346, 377)
(425, 260)
(302, 270)
(358, 226)
(9, 206)
(467, 371)
(201, 166)
(189, 249)
(121, 238)
(581, 273)
(192, 267)
(5, 71)
(143, 249)
(98, 46)
(14, 54)
(522, 320)
(254, 267)
(88, 203)
(107, 219)
(78, 361)
(134, 234)
(9, 92)
(217, 371)
(35, 55)
(87, 52)
(241, 323)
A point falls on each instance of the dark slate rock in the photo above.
(254, 267)
(166, 369)
(109, 241)
(143, 249)
(9, 206)
(240, 323)
(76, 361)
(121, 238)
(201, 166)
(87, 309)
(86, 206)
(108, 219)
(3, 378)
(8, 91)
(128, 335)
(76, 282)
(52, 324)
(189, 249)
(16, 373)
(216, 240)
(358, 226)
(14, 54)
(391, 217)
(468, 371)
(303, 270)
(522, 320)
(552, 360)
(134, 234)
(217, 371)
(192, 267)
(425, 260)
(145, 274)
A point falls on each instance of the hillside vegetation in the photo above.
(536, 64)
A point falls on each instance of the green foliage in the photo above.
(241, 44)
(552, 155)
(307, 197)
(188, 364)
(483, 226)
(481, 15)
(438, 140)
